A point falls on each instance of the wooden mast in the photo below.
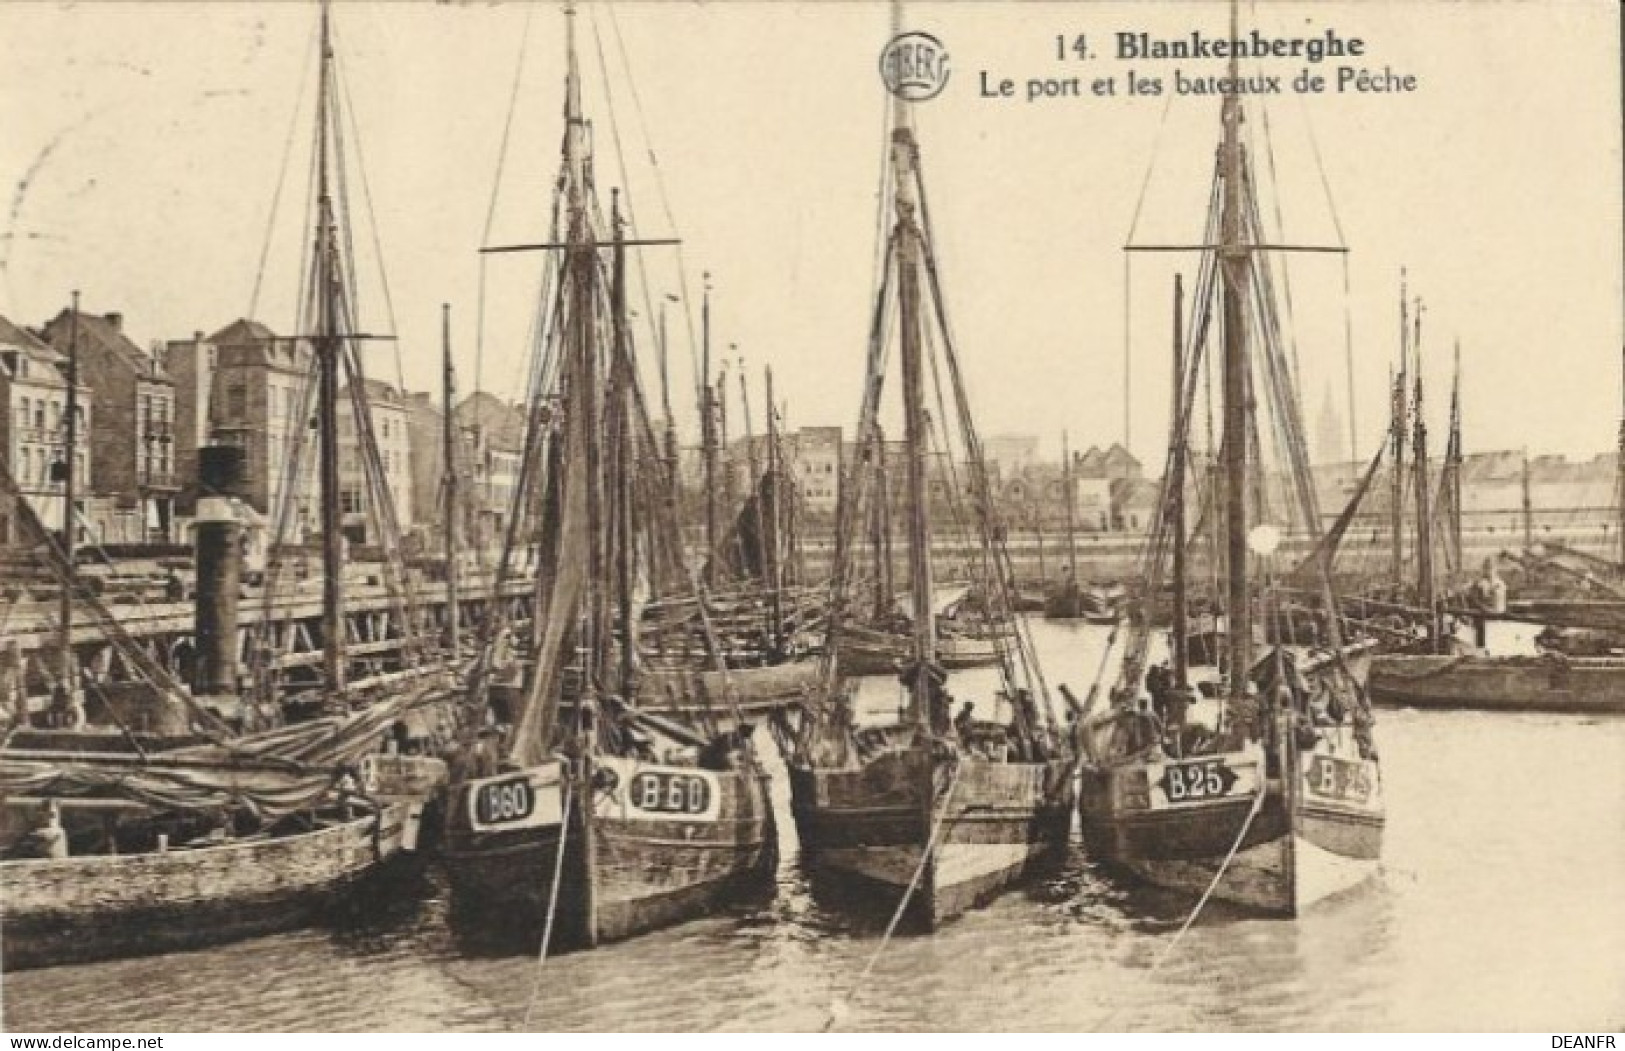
(754, 488)
(68, 670)
(1234, 263)
(1179, 644)
(1068, 483)
(904, 156)
(674, 485)
(625, 550)
(1397, 400)
(1619, 467)
(1528, 508)
(779, 550)
(582, 262)
(1453, 459)
(449, 436)
(328, 347)
(1426, 586)
(708, 431)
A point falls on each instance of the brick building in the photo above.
(132, 445)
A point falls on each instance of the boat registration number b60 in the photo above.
(661, 792)
(512, 801)
(1190, 782)
(504, 801)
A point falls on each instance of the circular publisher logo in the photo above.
(914, 66)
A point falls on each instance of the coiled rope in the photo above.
(838, 1008)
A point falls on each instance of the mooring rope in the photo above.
(552, 902)
(1168, 950)
(839, 1006)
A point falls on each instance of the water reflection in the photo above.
(1501, 906)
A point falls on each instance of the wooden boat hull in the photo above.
(693, 695)
(76, 909)
(1083, 604)
(866, 652)
(1143, 820)
(1550, 683)
(871, 827)
(660, 845)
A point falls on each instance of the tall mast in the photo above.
(1176, 489)
(1233, 267)
(880, 526)
(904, 154)
(1425, 584)
(453, 504)
(753, 463)
(626, 550)
(1619, 467)
(665, 405)
(1071, 526)
(1397, 420)
(68, 671)
(708, 429)
(582, 262)
(328, 344)
(1528, 508)
(778, 550)
(1453, 464)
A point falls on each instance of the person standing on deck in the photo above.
(50, 839)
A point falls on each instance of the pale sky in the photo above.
(143, 146)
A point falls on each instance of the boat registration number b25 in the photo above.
(503, 801)
(1339, 779)
(661, 792)
(1188, 782)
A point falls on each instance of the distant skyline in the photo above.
(145, 143)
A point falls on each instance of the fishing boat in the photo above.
(591, 820)
(1071, 598)
(929, 815)
(1263, 788)
(867, 650)
(191, 814)
(1576, 672)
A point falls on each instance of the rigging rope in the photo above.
(1168, 950)
(839, 1006)
(282, 175)
(491, 206)
(660, 187)
(552, 897)
(348, 110)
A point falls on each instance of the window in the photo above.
(237, 401)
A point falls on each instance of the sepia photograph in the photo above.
(702, 516)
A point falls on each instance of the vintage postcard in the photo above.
(773, 515)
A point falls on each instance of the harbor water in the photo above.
(1501, 906)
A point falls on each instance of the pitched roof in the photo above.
(105, 332)
(243, 330)
(16, 338)
(503, 422)
(1117, 455)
